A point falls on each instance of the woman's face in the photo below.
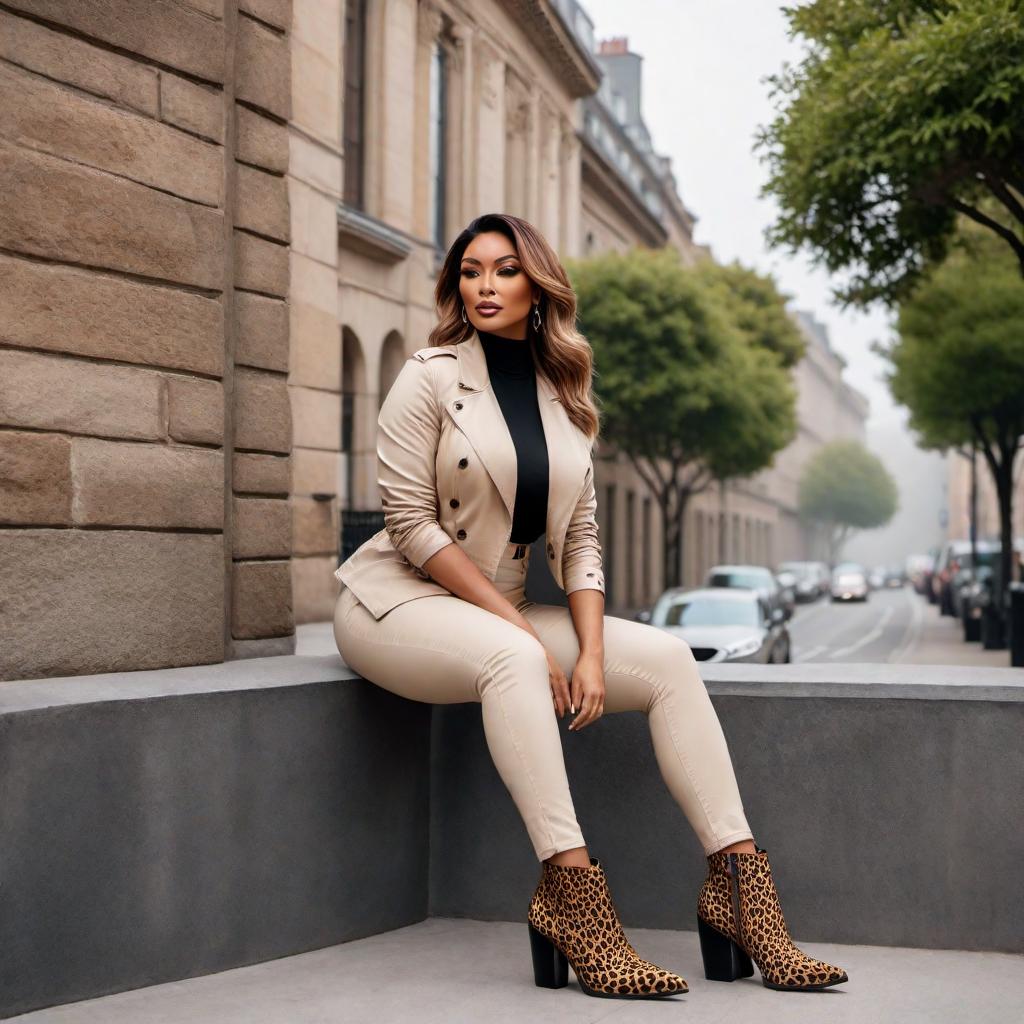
(491, 274)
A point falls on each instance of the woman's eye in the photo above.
(511, 272)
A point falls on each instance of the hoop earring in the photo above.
(464, 320)
(536, 317)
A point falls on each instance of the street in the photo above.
(897, 626)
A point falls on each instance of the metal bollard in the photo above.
(1017, 625)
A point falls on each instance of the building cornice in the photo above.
(578, 72)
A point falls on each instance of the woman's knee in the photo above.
(517, 660)
(673, 666)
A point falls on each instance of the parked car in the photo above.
(811, 580)
(849, 582)
(755, 577)
(895, 577)
(787, 586)
(953, 568)
(724, 624)
(963, 575)
(975, 596)
(918, 571)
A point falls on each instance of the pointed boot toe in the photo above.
(740, 923)
(572, 921)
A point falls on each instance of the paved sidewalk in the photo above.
(935, 639)
(453, 971)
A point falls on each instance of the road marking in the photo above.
(868, 637)
(913, 631)
(812, 653)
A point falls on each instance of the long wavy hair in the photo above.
(559, 350)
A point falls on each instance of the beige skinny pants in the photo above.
(442, 649)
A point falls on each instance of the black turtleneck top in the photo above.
(514, 380)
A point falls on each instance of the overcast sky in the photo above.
(703, 97)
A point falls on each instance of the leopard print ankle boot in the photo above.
(739, 888)
(572, 920)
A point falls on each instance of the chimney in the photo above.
(616, 46)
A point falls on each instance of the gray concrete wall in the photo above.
(161, 825)
(166, 824)
(891, 812)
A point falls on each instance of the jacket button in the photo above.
(463, 463)
(461, 535)
(454, 503)
(458, 405)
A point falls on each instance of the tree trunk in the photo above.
(672, 513)
(1004, 491)
(1002, 475)
(974, 509)
(723, 519)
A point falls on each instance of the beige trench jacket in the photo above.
(446, 466)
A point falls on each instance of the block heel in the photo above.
(550, 966)
(740, 920)
(723, 959)
(573, 923)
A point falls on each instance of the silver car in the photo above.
(724, 624)
(849, 582)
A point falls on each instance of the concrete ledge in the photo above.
(160, 825)
(890, 811)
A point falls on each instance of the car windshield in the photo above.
(799, 569)
(706, 611)
(984, 558)
(736, 579)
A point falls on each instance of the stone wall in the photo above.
(145, 422)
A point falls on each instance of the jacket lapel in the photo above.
(482, 422)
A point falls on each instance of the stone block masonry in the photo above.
(145, 423)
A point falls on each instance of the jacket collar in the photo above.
(483, 423)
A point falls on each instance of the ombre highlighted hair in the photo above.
(560, 351)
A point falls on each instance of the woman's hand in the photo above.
(587, 690)
(559, 685)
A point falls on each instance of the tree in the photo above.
(844, 488)
(681, 393)
(756, 307)
(902, 114)
(958, 364)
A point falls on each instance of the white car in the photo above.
(849, 582)
(724, 624)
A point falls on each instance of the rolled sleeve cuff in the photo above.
(423, 542)
(584, 579)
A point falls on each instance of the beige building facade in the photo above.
(224, 227)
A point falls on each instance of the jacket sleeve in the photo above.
(582, 563)
(408, 429)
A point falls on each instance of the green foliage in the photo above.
(675, 376)
(958, 360)
(901, 114)
(756, 307)
(844, 485)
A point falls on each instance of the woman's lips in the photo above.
(488, 311)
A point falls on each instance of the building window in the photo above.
(438, 143)
(354, 114)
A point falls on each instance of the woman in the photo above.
(484, 444)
